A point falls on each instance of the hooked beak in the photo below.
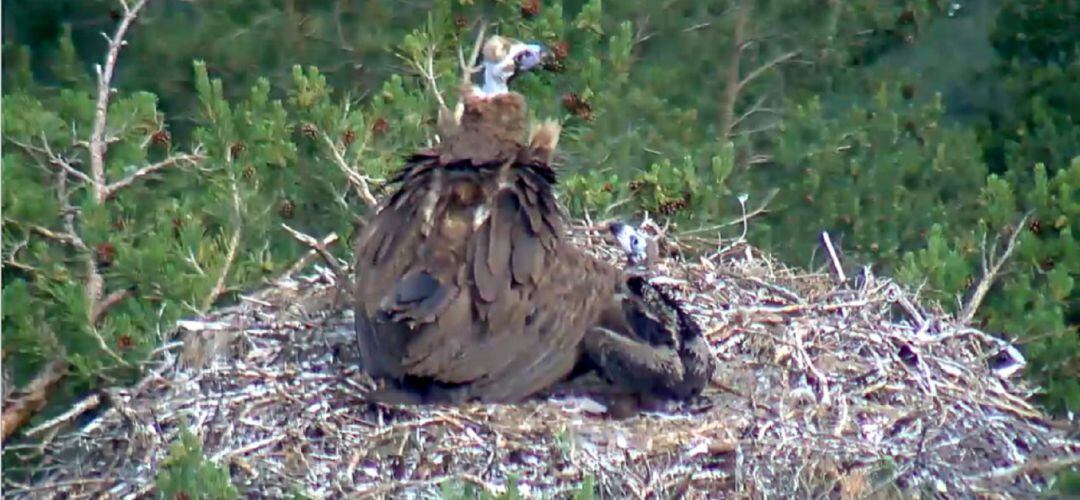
(535, 55)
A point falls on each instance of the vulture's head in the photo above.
(640, 250)
(505, 58)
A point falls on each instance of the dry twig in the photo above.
(799, 386)
(991, 266)
(356, 179)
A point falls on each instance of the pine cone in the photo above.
(161, 137)
(248, 172)
(530, 8)
(237, 148)
(1035, 225)
(575, 104)
(309, 130)
(177, 226)
(380, 127)
(609, 187)
(670, 207)
(287, 209)
(125, 342)
(554, 65)
(907, 91)
(104, 254)
(460, 22)
(560, 49)
(348, 137)
(636, 185)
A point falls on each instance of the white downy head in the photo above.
(504, 59)
(632, 242)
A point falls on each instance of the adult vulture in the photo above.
(466, 288)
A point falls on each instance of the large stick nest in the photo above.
(823, 389)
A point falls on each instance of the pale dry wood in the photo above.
(97, 143)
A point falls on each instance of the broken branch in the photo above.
(358, 181)
(834, 260)
(18, 413)
(340, 272)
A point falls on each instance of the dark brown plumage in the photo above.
(467, 289)
(648, 345)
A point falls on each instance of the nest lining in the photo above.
(846, 391)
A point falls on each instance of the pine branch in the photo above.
(234, 245)
(51, 158)
(105, 75)
(991, 267)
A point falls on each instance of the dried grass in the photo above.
(824, 391)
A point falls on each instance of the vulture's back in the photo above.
(465, 286)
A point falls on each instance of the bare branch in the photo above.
(63, 238)
(753, 109)
(834, 260)
(766, 67)
(467, 68)
(732, 84)
(18, 413)
(113, 188)
(339, 269)
(991, 268)
(426, 69)
(359, 181)
(306, 259)
(110, 301)
(741, 220)
(105, 75)
(50, 157)
(89, 403)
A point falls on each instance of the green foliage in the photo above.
(284, 103)
(186, 473)
(880, 175)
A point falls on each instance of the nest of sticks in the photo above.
(847, 390)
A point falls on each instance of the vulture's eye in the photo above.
(633, 242)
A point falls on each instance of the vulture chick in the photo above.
(648, 344)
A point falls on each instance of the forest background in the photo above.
(924, 135)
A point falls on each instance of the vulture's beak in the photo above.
(530, 56)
